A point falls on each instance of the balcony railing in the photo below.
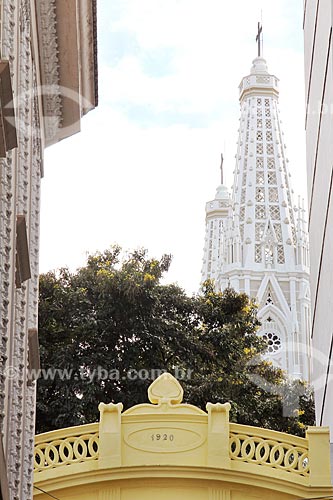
(66, 447)
(269, 448)
(246, 444)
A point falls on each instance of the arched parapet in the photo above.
(167, 449)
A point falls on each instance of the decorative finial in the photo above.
(259, 38)
(221, 167)
(165, 389)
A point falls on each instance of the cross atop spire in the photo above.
(259, 39)
(221, 167)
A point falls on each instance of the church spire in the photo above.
(262, 192)
(254, 242)
(217, 213)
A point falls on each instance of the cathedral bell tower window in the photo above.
(273, 342)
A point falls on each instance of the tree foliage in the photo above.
(105, 330)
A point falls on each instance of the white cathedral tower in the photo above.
(256, 239)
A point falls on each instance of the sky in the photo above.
(147, 159)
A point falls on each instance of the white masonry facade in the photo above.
(48, 81)
(318, 44)
(256, 239)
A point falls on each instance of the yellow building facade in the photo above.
(168, 450)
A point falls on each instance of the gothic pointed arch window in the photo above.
(269, 300)
(269, 254)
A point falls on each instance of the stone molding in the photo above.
(52, 101)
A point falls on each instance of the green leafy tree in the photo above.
(108, 329)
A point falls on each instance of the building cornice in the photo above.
(68, 64)
(48, 43)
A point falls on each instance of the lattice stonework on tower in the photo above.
(263, 243)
